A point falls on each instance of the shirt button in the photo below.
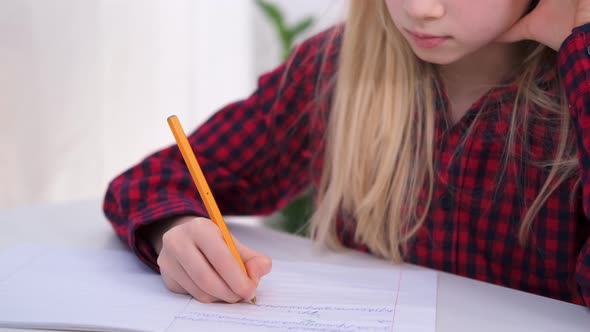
(445, 201)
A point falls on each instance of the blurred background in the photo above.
(86, 85)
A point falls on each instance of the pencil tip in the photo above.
(253, 300)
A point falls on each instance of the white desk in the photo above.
(463, 304)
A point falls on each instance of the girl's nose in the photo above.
(424, 9)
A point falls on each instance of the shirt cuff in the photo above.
(154, 212)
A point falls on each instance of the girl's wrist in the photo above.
(153, 233)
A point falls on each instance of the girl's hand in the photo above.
(550, 23)
(195, 260)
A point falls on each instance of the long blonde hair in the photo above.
(380, 136)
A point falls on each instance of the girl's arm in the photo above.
(574, 65)
(255, 154)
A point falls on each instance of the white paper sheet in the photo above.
(110, 290)
(315, 297)
(86, 290)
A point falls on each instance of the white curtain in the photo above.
(86, 86)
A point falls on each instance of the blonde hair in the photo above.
(380, 136)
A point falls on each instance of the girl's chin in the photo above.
(436, 58)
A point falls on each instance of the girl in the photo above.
(452, 134)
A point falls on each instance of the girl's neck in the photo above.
(467, 80)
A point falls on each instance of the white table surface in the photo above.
(462, 305)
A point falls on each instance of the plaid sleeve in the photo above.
(574, 66)
(255, 154)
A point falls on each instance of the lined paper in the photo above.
(104, 290)
(316, 297)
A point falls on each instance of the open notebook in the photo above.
(108, 290)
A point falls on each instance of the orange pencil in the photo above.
(203, 187)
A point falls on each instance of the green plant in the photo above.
(293, 218)
(287, 34)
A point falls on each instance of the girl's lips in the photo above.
(427, 41)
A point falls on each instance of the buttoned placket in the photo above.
(452, 158)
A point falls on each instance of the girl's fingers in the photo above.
(221, 259)
(179, 282)
(172, 285)
(256, 263)
(200, 272)
(196, 259)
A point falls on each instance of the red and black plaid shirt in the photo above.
(259, 153)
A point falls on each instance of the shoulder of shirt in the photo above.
(320, 48)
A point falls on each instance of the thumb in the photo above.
(257, 264)
(258, 267)
(519, 31)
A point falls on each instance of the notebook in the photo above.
(110, 290)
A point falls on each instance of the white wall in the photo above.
(86, 86)
(172, 57)
(50, 98)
